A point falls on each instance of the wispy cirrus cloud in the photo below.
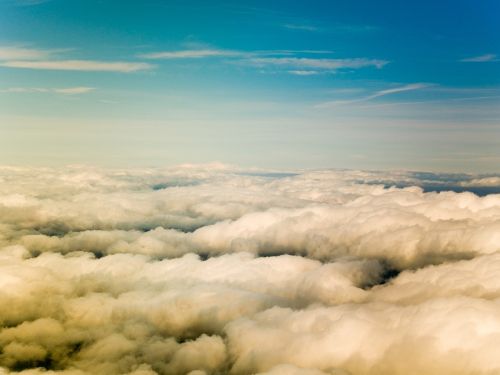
(335, 28)
(296, 62)
(227, 53)
(300, 27)
(65, 91)
(79, 65)
(303, 72)
(192, 54)
(482, 58)
(318, 63)
(377, 94)
(21, 53)
(44, 59)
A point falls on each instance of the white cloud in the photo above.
(483, 58)
(211, 270)
(288, 59)
(214, 52)
(192, 54)
(20, 53)
(482, 182)
(29, 58)
(79, 65)
(301, 27)
(303, 72)
(317, 63)
(410, 87)
(74, 90)
(65, 90)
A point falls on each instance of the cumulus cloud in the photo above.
(483, 181)
(215, 270)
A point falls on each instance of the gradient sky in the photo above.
(281, 84)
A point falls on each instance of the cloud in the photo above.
(321, 64)
(410, 87)
(191, 54)
(212, 269)
(64, 91)
(19, 53)
(74, 90)
(293, 61)
(303, 72)
(214, 52)
(481, 182)
(79, 65)
(29, 58)
(300, 27)
(483, 58)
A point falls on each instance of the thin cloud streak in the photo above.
(483, 58)
(306, 66)
(378, 94)
(300, 27)
(327, 64)
(304, 72)
(191, 54)
(64, 91)
(217, 52)
(79, 65)
(20, 53)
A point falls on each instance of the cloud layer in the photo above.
(213, 270)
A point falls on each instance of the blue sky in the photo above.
(281, 84)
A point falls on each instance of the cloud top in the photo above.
(216, 270)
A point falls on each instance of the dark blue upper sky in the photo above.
(365, 84)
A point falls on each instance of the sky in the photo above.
(281, 84)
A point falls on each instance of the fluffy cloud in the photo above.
(213, 270)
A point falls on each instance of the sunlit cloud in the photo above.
(64, 91)
(212, 269)
(79, 65)
(31, 58)
(21, 53)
